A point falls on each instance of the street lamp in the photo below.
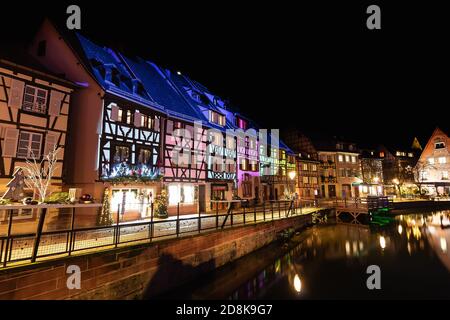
(292, 175)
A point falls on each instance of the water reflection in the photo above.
(330, 262)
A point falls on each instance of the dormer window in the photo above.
(439, 145)
(195, 96)
(241, 123)
(216, 118)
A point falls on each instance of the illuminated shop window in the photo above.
(183, 194)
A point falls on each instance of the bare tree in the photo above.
(419, 177)
(38, 176)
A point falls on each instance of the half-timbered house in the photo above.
(34, 113)
(220, 154)
(116, 140)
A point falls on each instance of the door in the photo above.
(202, 198)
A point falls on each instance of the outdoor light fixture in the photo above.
(292, 175)
(395, 181)
(179, 73)
(376, 179)
(297, 283)
(382, 242)
(400, 229)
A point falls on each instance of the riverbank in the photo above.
(143, 270)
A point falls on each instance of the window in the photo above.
(400, 154)
(35, 100)
(341, 172)
(121, 154)
(347, 158)
(424, 175)
(439, 145)
(444, 175)
(339, 146)
(313, 180)
(181, 194)
(147, 121)
(431, 160)
(381, 154)
(29, 145)
(216, 118)
(230, 143)
(353, 159)
(305, 167)
(244, 164)
(241, 123)
(119, 115)
(340, 158)
(145, 157)
(411, 155)
(442, 160)
(129, 117)
(314, 167)
(253, 165)
(305, 180)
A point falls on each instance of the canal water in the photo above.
(330, 260)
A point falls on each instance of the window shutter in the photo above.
(114, 112)
(137, 119)
(50, 142)
(54, 107)
(10, 142)
(16, 93)
(156, 124)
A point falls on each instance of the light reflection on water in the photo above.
(330, 261)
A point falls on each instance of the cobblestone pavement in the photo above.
(133, 232)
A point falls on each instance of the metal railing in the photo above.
(368, 203)
(28, 247)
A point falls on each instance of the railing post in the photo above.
(116, 236)
(38, 234)
(244, 214)
(231, 216)
(71, 238)
(217, 216)
(279, 210)
(8, 236)
(271, 208)
(151, 231)
(199, 221)
(264, 210)
(178, 219)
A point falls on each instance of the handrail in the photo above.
(21, 248)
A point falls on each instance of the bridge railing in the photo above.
(368, 203)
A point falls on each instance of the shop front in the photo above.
(132, 202)
(183, 198)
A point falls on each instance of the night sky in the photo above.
(315, 67)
